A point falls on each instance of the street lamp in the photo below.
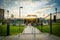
(55, 15)
(20, 11)
(8, 25)
(50, 23)
(56, 11)
(19, 16)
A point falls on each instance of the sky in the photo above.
(41, 8)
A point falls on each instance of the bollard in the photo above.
(50, 23)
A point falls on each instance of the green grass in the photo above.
(44, 28)
(55, 29)
(2, 30)
(13, 30)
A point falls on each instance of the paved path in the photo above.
(31, 29)
(31, 33)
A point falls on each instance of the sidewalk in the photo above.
(31, 33)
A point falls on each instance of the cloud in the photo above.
(15, 12)
(29, 6)
(24, 1)
(45, 8)
(5, 0)
(1, 7)
(49, 6)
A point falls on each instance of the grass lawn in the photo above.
(55, 29)
(13, 30)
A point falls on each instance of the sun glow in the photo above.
(31, 17)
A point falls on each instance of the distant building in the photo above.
(57, 16)
(16, 21)
(1, 15)
(30, 19)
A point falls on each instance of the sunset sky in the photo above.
(41, 8)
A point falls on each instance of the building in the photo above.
(30, 19)
(16, 21)
(1, 15)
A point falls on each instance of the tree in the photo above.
(12, 16)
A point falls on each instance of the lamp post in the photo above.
(20, 11)
(55, 15)
(50, 23)
(8, 25)
(56, 10)
(19, 17)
